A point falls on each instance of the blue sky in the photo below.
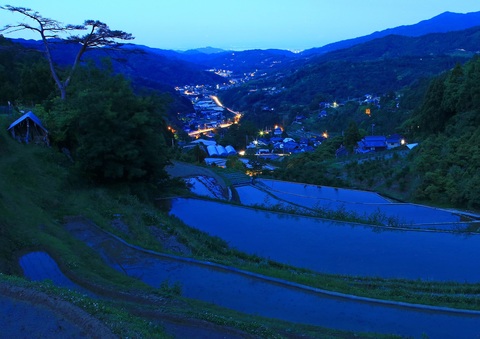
(242, 24)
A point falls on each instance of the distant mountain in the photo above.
(145, 66)
(378, 66)
(464, 43)
(445, 22)
(246, 61)
(205, 50)
(155, 67)
(238, 62)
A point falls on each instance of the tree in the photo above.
(98, 35)
(431, 116)
(115, 135)
(199, 154)
(352, 136)
(24, 78)
(238, 134)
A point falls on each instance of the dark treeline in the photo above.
(25, 78)
(112, 133)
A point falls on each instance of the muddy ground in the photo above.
(26, 313)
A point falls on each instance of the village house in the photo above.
(277, 132)
(371, 143)
(395, 140)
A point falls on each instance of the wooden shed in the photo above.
(28, 128)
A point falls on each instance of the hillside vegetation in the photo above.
(444, 169)
(378, 67)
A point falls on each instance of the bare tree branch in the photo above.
(48, 28)
(99, 35)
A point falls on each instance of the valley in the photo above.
(328, 193)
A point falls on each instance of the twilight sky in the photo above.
(241, 24)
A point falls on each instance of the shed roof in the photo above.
(374, 141)
(30, 116)
(205, 142)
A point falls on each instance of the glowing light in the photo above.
(217, 101)
(325, 135)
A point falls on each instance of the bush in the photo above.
(113, 134)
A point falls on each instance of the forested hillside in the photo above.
(444, 169)
(377, 67)
(447, 163)
(140, 65)
(445, 22)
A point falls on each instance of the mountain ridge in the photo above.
(168, 65)
(380, 66)
(444, 22)
(157, 69)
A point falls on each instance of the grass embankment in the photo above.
(39, 188)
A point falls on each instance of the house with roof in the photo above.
(204, 142)
(372, 143)
(291, 147)
(299, 119)
(307, 148)
(322, 114)
(303, 142)
(395, 140)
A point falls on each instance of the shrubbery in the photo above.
(112, 134)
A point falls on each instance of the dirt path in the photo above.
(27, 313)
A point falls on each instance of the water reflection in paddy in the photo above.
(205, 186)
(333, 247)
(39, 266)
(362, 203)
(257, 296)
(323, 192)
(271, 300)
